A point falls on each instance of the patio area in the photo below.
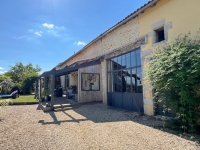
(90, 126)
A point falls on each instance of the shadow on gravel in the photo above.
(38, 107)
(58, 122)
(100, 113)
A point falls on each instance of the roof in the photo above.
(75, 66)
(126, 19)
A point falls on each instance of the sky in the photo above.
(47, 32)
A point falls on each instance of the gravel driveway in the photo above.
(87, 127)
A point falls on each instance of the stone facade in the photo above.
(123, 39)
(116, 39)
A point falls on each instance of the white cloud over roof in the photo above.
(80, 43)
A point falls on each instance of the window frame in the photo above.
(128, 69)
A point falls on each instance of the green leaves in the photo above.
(23, 76)
(174, 72)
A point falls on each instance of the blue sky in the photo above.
(47, 32)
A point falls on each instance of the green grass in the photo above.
(24, 98)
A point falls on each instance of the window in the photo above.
(126, 73)
(160, 35)
(90, 82)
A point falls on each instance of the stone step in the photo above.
(64, 108)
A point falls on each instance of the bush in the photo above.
(174, 73)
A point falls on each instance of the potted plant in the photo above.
(45, 94)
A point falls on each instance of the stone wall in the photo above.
(123, 38)
(123, 35)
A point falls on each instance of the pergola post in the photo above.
(52, 90)
(36, 88)
(40, 88)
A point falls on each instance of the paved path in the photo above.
(86, 127)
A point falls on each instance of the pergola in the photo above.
(59, 72)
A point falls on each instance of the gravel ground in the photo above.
(87, 127)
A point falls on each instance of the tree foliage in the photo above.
(174, 73)
(23, 76)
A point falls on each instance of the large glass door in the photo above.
(125, 81)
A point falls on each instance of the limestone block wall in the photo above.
(104, 81)
(115, 40)
(123, 35)
(164, 14)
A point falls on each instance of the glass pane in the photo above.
(133, 59)
(124, 72)
(119, 60)
(126, 87)
(133, 77)
(114, 63)
(123, 61)
(138, 58)
(110, 84)
(139, 80)
(117, 81)
(128, 60)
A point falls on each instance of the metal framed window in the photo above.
(124, 73)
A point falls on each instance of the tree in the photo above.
(174, 73)
(4, 88)
(24, 76)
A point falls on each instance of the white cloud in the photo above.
(39, 33)
(1, 68)
(53, 32)
(60, 28)
(21, 37)
(49, 26)
(80, 43)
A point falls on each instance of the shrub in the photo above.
(174, 73)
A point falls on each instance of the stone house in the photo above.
(111, 68)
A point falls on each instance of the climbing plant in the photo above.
(174, 73)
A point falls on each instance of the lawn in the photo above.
(24, 98)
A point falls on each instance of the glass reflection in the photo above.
(133, 79)
(138, 57)
(117, 81)
(114, 63)
(139, 80)
(122, 79)
(128, 60)
(124, 62)
(119, 61)
(126, 82)
(133, 59)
